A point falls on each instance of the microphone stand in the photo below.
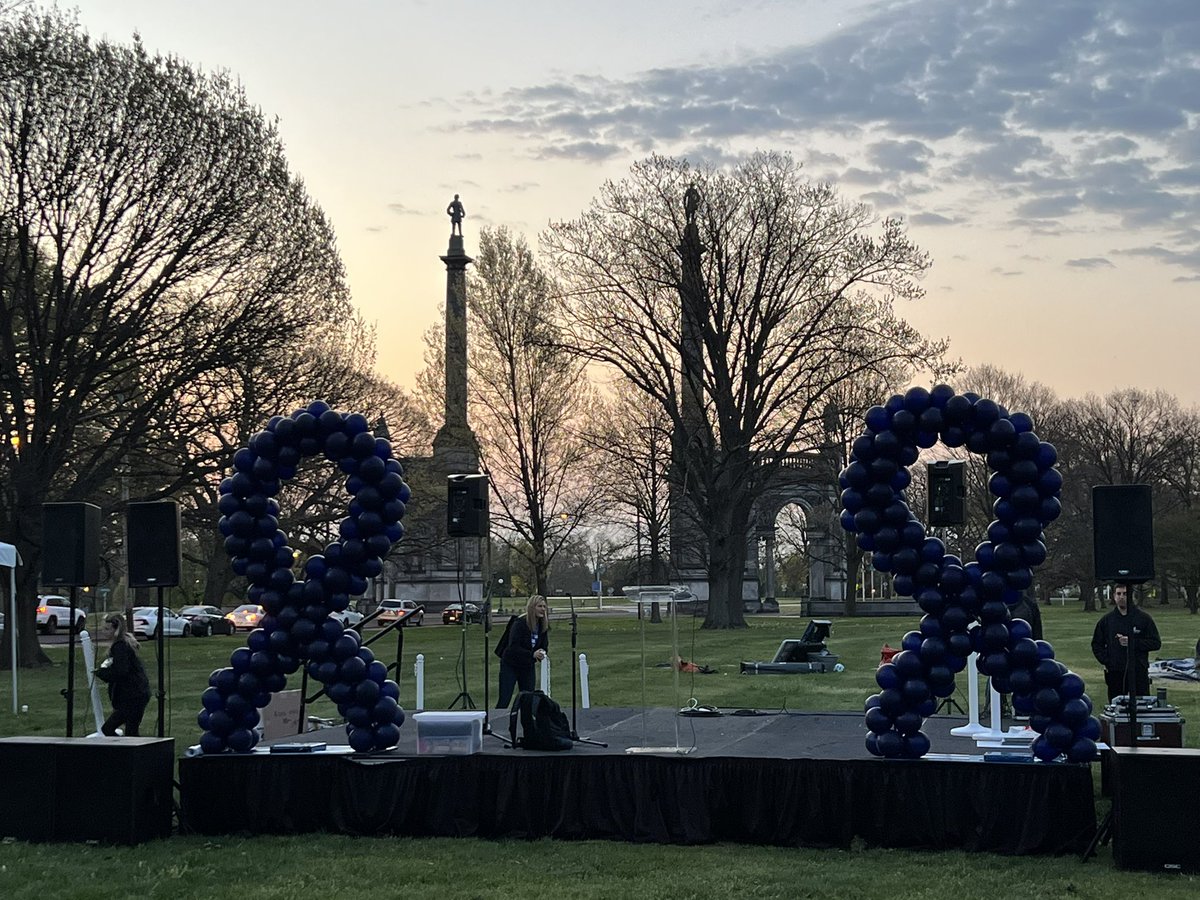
(1131, 686)
(487, 628)
(574, 664)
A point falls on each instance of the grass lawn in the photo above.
(292, 867)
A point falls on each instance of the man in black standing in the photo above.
(1122, 643)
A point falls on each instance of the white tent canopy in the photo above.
(10, 559)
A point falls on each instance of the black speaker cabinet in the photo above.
(153, 544)
(467, 506)
(1123, 532)
(1154, 809)
(115, 790)
(946, 494)
(70, 544)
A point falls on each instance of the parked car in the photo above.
(54, 611)
(247, 616)
(145, 623)
(392, 610)
(453, 613)
(207, 620)
(349, 618)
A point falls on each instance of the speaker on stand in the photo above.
(70, 558)
(152, 546)
(1123, 552)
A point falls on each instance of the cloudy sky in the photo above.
(1047, 154)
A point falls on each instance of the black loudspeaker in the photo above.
(467, 506)
(153, 544)
(1154, 809)
(1123, 532)
(125, 797)
(70, 545)
(946, 492)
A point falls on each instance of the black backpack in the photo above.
(542, 723)
(502, 644)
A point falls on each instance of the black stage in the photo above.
(791, 779)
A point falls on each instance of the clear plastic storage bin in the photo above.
(452, 732)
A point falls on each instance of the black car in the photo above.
(453, 614)
(207, 620)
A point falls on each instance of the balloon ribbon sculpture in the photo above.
(297, 626)
(966, 606)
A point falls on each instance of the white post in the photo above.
(419, 675)
(12, 628)
(546, 676)
(89, 660)
(973, 726)
(583, 681)
(995, 695)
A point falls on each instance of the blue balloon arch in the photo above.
(966, 605)
(296, 629)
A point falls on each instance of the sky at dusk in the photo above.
(1046, 154)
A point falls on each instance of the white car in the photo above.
(247, 616)
(393, 610)
(348, 617)
(54, 612)
(145, 623)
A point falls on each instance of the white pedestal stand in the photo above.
(972, 727)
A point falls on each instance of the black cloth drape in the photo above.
(1005, 808)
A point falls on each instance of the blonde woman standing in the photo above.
(528, 641)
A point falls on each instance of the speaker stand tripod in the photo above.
(949, 705)
(464, 696)
(1103, 836)
(160, 634)
(69, 693)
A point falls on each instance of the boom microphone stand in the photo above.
(574, 665)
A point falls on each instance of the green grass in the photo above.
(318, 866)
(270, 867)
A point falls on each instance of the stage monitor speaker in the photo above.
(1123, 532)
(153, 544)
(70, 544)
(467, 506)
(946, 494)
(1154, 809)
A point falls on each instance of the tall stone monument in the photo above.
(436, 569)
(455, 448)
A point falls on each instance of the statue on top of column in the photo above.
(457, 213)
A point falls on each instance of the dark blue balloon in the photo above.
(878, 722)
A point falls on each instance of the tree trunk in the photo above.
(29, 650)
(1163, 598)
(850, 598)
(1192, 591)
(1087, 593)
(726, 565)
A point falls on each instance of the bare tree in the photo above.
(792, 296)
(1129, 436)
(632, 436)
(150, 235)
